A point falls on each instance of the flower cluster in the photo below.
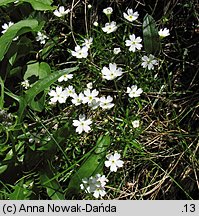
(95, 185)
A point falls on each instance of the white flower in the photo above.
(25, 84)
(61, 11)
(82, 124)
(116, 51)
(136, 123)
(57, 95)
(108, 10)
(65, 77)
(94, 104)
(105, 103)
(149, 62)
(134, 91)
(88, 42)
(89, 85)
(41, 37)
(102, 179)
(5, 26)
(112, 72)
(99, 192)
(96, 23)
(69, 91)
(110, 27)
(89, 6)
(94, 185)
(90, 96)
(164, 32)
(134, 43)
(80, 52)
(77, 99)
(113, 162)
(131, 16)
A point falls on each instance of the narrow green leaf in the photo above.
(52, 186)
(2, 94)
(150, 35)
(18, 193)
(15, 30)
(91, 166)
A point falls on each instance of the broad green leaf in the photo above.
(37, 69)
(40, 4)
(5, 2)
(51, 184)
(15, 30)
(150, 35)
(91, 166)
(36, 4)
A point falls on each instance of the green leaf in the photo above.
(150, 35)
(51, 184)
(37, 69)
(41, 4)
(18, 193)
(5, 2)
(36, 4)
(91, 166)
(2, 94)
(15, 30)
(3, 168)
(43, 84)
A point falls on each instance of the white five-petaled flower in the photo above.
(41, 37)
(80, 52)
(25, 84)
(69, 91)
(65, 77)
(112, 72)
(130, 15)
(113, 162)
(163, 32)
(94, 185)
(105, 103)
(110, 27)
(88, 42)
(5, 26)
(134, 43)
(82, 124)
(134, 91)
(90, 96)
(149, 62)
(116, 50)
(96, 23)
(136, 123)
(57, 95)
(61, 11)
(89, 85)
(108, 10)
(77, 99)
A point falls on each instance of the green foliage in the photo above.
(150, 34)
(36, 4)
(17, 29)
(49, 181)
(92, 165)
